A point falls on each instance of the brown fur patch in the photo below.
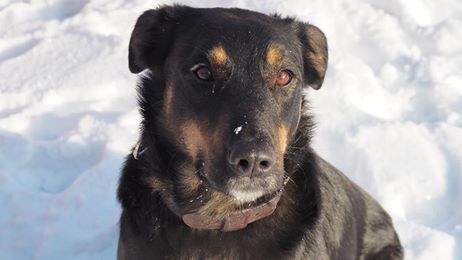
(189, 181)
(157, 184)
(274, 55)
(203, 137)
(218, 206)
(168, 98)
(193, 138)
(281, 136)
(218, 55)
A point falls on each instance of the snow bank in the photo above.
(389, 116)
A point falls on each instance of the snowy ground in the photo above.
(389, 113)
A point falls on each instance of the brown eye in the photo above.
(284, 77)
(203, 73)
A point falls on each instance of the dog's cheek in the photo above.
(189, 181)
(198, 141)
(281, 136)
(168, 99)
(297, 113)
(167, 120)
(293, 112)
(203, 142)
(192, 138)
(284, 134)
(159, 184)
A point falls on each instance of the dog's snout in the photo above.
(246, 160)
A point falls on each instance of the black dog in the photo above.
(224, 168)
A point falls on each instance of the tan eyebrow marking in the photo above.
(274, 55)
(218, 55)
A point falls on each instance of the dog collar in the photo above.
(235, 221)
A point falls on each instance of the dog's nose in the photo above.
(250, 161)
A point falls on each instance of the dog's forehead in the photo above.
(232, 18)
(222, 32)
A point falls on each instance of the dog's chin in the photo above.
(247, 196)
(245, 190)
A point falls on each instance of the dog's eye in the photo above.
(284, 77)
(203, 73)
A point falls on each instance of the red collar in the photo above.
(235, 221)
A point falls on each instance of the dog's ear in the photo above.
(315, 56)
(151, 38)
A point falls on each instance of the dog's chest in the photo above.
(221, 246)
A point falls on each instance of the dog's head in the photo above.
(230, 84)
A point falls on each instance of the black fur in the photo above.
(321, 215)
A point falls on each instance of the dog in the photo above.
(224, 168)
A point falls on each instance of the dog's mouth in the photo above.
(243, 192)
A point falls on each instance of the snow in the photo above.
(389, 115)
(237, 130)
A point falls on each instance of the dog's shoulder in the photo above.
(363, 218)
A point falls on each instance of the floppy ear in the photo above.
(151, 38)
(315, 55)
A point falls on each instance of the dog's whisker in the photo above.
(296, 163)
(289, 179)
